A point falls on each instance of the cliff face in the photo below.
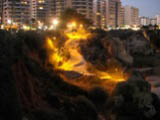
(137, 44)
(31, 85)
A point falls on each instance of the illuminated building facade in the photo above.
(16, 12)
(114, 11)
(84, 7)
(100, 13)
(43, 10)
(107, 13)
(153, 21)
(1, 6)
(131, 15)
(157, 17)
(103, 13)
(59, 6)
(122, 13)
(144, 21)
(40, 9)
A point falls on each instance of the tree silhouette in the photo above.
(70, 15)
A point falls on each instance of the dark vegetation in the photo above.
(31, 88)
(145, 55)
(70, 15)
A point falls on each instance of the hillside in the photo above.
(34, 88)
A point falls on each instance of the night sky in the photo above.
(148, 8)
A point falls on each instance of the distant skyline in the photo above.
(148, 8)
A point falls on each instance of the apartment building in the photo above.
(43, 10)
(157, 17)
(107, 13)
(143, 21)
(131, 15)
(16, 12)
(84, 7)
(40, 9)
(1, 6)
(114, 11)
(122, 14)
(103, 13)
(59, 6)
(24, 11)
(153, 21)
(99, 10)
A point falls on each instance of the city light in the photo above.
(72, 25)
(40, 25)
(55, 22)
(2, 26)
(41, 8)
(103, 15)
(80, 59)
(25, 27)
(45, 27)
(9, 21)
(54, 25)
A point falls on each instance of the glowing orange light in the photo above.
(76, 62)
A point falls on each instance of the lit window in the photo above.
(98, 13)
(41, 8)
(24, 2)
(41, 1)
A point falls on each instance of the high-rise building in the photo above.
(122, 20)
(39, 9)
(103, 13)
(84, 7)
(114, 11)
(157, 19)
(60, 5)
(42, 10)
(144, 21)
(131, 15)
(153, 21)
(16, 12)
(107, 13)
(1, 7)
(100, 13)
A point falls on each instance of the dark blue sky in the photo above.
(148, 8)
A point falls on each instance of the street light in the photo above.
(40, 25)
(55, 22)
(72, 25)
(9, 21)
